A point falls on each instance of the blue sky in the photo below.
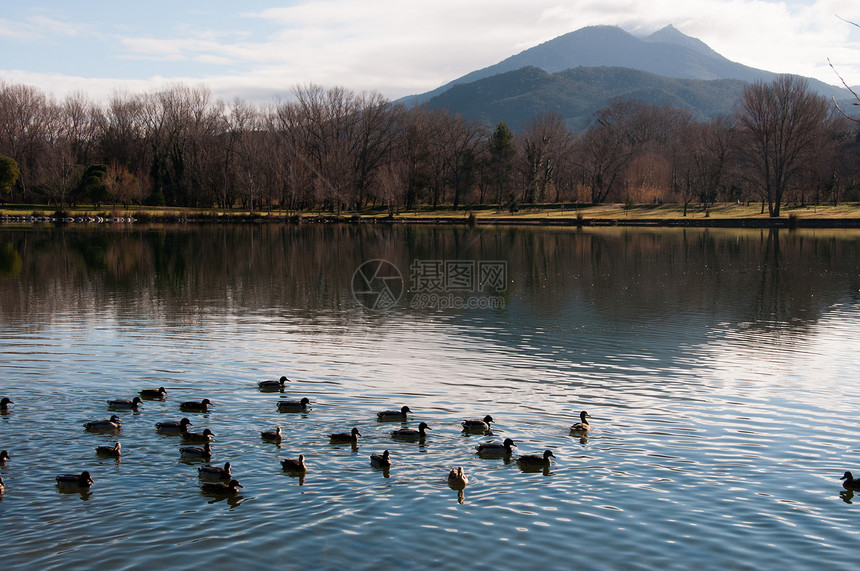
(260, 49)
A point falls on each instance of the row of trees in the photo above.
(336, 149)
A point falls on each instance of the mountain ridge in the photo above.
(667, 52)
(518, 96)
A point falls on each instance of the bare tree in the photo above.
(26, 114)
(57, 173)
(605, 149)
(853, 93)
(780, 123)
(542, 143)
(374, 142)
(330, 119)
(121, 134)
(245, 139)
(81, 123)
(413, 154)
(120, 183)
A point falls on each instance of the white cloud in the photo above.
(399, 48)
(41, 28)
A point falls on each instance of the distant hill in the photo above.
(518, 96)
(667, 53)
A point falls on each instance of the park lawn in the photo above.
(663, 212)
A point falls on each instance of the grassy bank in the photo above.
(669, 214)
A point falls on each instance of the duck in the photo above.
(113, 451)
(4, 455)
(478, 425)
(294, 405)
(221, 489)
(194, 452)
(2, 488)
(273, 385)
(295, 465)
(113, 423)
(272, 435)
(194, 406)
(345, 436)
(850, 483)
(157, 394)
(214, 472)
(411, 433)
(457, 478)
(5, 402)
(125, 404)
(84, 480)
(393, 414)
(582, 425)
(381, 460)
(535, 461)
(171, 427)
(496, 448)
(197, 437)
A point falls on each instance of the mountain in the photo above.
(516, 97)
(667, 53)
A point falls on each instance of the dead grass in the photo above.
(548, 212)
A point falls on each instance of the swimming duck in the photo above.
(411, 433)
(84, 480)
(272, 435)
(295, 465)
(457, 478)
(381, 460)
(2, 489)
(393, 414)
(194, 452)
(4, 403)
(273, 385)
(850, 483)
(157, 394)
(113, 451)
(495, 448)
(114, 423)
(214, 472)
(125, 404)
(173, 427)
(194, 406)
(582, 425)
(4, 456)
(478, 425)
(345, 436)
(293, 405)
(221, 489)
(533, 460)
(197, 437)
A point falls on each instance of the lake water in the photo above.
(719, 368)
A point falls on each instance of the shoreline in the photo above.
(665, 216)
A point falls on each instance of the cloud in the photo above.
(402, 48)
(41, 28)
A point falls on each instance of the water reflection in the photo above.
(696, 350)
(299, 476)
(232, 500)
(83, 493)
(774, 275)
